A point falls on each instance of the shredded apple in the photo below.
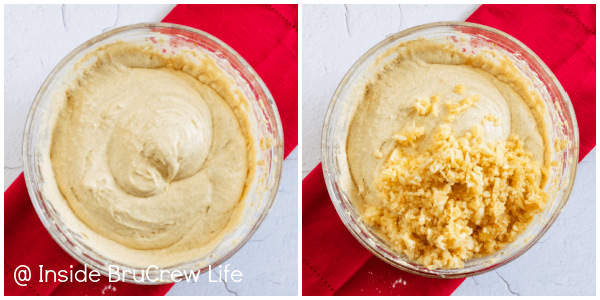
(462, 199)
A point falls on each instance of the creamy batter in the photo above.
(152, 151)
(448, 152)
(424, 69)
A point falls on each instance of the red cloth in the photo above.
(267, 37)
(564, 37)
(26, 242)
(334, 263)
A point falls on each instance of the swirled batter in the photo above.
(447, 152)
(151, 151)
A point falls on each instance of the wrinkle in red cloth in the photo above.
(334, 263)
(267, 37)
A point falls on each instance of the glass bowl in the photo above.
(560, 118)
(264, 121)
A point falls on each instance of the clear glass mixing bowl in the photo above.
(474, 37)
(264, 119)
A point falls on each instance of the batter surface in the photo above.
(421, 104)
(151, 151)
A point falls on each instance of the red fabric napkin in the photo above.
(334, 263)
(27, 242)
(266, 36)
(564, 37)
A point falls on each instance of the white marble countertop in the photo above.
(335, 36)
(37, 37)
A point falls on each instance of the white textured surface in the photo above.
(335, 36)
(269, 261)
(563, 262)
(38, 37)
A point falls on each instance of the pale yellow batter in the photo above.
(429, 92)
(152, 151)
(388, 107)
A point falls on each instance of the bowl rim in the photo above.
(277, 161)
(336, 99)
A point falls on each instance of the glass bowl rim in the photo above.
(327, 161)
(28, 170)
